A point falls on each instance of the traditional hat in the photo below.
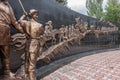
(50, 22)
(32, 11)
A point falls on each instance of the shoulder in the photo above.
(24, 22)
(39, 24)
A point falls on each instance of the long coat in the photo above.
(6, 18)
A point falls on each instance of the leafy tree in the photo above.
(95, 8)
(112, 11)
(64, 2)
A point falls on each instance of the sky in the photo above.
(80, 5)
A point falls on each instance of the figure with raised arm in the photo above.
(33, 30)
(7, 18)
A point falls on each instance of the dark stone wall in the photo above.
(51, 10)
(48, 10)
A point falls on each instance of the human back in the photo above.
(35, 29)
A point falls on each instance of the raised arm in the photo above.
(22, 20)
(14, 22)
(17, 26)
(23, 17)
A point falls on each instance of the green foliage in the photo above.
(94, 8)
(112, 11)
(64, 2)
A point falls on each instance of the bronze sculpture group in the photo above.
(30, 27)
(35, 37)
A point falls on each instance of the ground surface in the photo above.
(100, 66)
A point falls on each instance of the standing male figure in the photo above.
(33, 30)
(48, 28)
(50, 25)
(6, 18)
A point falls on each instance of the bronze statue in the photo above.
(33, 30)
(48, 28)
(50, 32)
(79, 24)
(68, 35)
(61, 33)
(50, 25)
(6, 18)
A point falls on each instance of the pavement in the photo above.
(100, 66)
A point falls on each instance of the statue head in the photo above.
(78, 20)
(92, 27)
(86, 23)
(33, 14)
(50, 22)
